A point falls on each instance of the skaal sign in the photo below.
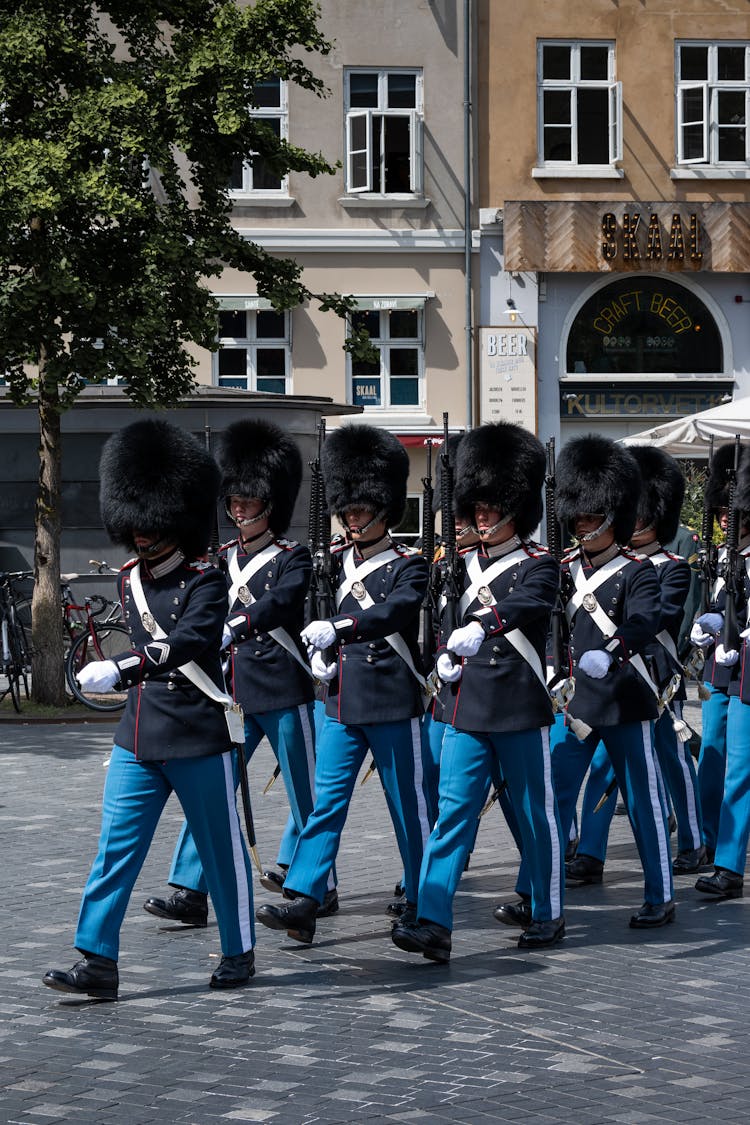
(634, 238)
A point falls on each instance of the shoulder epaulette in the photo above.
(632, 556)
(129, 564)
(228, 544)
(288, 544)
(535, 550)
(339, 548)
(199, 564)
(572, 555)
(405, 549)
(465, 550)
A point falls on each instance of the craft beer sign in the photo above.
(507, 375)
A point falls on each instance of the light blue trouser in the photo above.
(631, 750)
(467, 761)
(135, 794)
(677, 774)
(290, 732)
(397, 750)
(712, 762)
(734, 821)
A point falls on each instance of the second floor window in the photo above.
(394, 381)
(580, 104)
(254, 351)
(713, 99)
(254, 175)
(384, 131)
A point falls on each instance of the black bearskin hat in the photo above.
(258, 458)
(595, 475)
(454, 440)
(158, 478)
(662, 491)
(717, 485)
(501, 463)
(365, 465)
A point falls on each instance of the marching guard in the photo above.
(158, 494)
(268, 578)
(494, 699)
(367, 654)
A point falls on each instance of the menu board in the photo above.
(507, 375)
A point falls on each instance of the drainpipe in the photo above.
(469, 331)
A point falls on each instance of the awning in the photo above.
(391, 302)
(243, 304)
(690, 436)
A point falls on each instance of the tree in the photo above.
(119, 126)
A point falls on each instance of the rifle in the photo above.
(428, 552)
(731, 635)
(554, 543)
(213, 545)
(707, 559)
(321, 603)
(451, 579)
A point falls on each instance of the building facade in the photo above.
(614, 185)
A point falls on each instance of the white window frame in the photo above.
(711, 88)
(385, 344)
(268, 113)
(250, 343)
(416, 129)
(573, 84)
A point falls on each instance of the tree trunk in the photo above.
(47, 671)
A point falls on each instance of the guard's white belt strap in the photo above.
(479, 578)
(241, 577)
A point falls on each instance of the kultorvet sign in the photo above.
(634, 401)
(585, 237)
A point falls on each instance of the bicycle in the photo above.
(14, 655)
(95, 632)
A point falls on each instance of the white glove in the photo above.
(467, 640)
(100, 675)
(448, 672)
(595, 663)
(745, 635)
(321, 670)
(319, 634)
(226, 637)
(699, 638)
(711, 622)
(726, 656)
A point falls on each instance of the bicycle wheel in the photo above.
(11, 664)
(21, 655)
(107, 641)
(23, 620)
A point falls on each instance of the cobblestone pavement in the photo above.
(613, 1025)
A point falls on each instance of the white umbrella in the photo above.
(690, 436)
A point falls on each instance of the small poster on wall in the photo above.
(507, 375)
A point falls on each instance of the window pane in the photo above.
(241, 384)
(405, 392)
(267, 93)
(363, 90)
(397, 154)
(731, 106)
(271, 363)
(694, 63)
(557, 144)
(557, 107)
(272, 386)
(236, 182)
(359, 169)
(594, 62)
(556, 61)
(404, 362)
(403, 324)
(270, 325)
(375, 173)
(369, 321)
(359, 132)
(730, 64)
(402, 91)
(366, 392)
(732, 145)
(264, 179)
(593, 126)
(233, 363)
(365, 369)
(233, 324)
(692, 105)
(692, 142)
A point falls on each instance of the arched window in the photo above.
(644, 325)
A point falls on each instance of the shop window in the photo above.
(394, 380)
(384, 114)
(579, 105)
(644, 325)
(254, 351)
(255, 175)
(713, 99)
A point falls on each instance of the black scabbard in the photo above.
(246, 806)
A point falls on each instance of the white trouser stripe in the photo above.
(549, 808)
(416, 749)
(665, 861)
(307, 734)
(683, 756)
(238, 860)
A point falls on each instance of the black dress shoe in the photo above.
(722, 884)
(188, 907)
(582, 870)
(399, 890)
(514, 913)
(653, 914)
(539, 935)
(570, 849)
(233, 972)
(91, 976)
(329, 905)
(273, 881)
(689, 861)
(296, 916)
(428, 938)
(396, 907)
(710, 856)
(408, 916)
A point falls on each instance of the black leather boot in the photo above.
(428, 938)
(582, 870)
(235, 971)
(188, 907)
(722, 884)
(514, 913)
(653, 914)
(688, 862)
(273, 881)
(91, 976)
(296, 916)
(540, 935)
(329, 905)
